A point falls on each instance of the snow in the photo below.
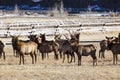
(9, 15)
(51, 31)
(36, 0)
(93, 14)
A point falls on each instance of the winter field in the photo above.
(50, 69)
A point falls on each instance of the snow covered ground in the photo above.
(52, 31)
(23, 25)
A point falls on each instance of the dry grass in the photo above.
(50, 69)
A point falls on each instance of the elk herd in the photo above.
(61, 47)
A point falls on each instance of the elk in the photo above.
(67, 49)
(25, 48)
(15, 53)
(42, 36)
(2, 52)
(103, 46)
(83, 50)
(60, 42)
(64, 45)
(52, 45)
(45, 46)
(114, 47)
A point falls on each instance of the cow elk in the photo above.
(114, 47)
(84, 50)
(27, 47)
(45, 46)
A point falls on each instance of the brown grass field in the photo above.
(50, 69)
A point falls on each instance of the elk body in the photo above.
(26, 48)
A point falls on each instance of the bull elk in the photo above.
(67, 48)
(60, 41)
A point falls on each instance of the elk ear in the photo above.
(106, 37)
(11, 36)
(111, 37)
(29, 36)
(40, 34)
(115, 37)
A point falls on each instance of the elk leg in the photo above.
(56, 55)
(63, 57)
(103, 54)
(74, 56)
(4, 55)
(94, 58)
(68, 57)
(35, 57)
(79, 59)
(20, 59)
(13, 52)
(60, 51)
(32, 58)
(96, 61)
(17, 54)
(42, 56)
(0, 54)
(116, 58)
(71, 58)
(23, 58)
(47, 55)
(113, 59)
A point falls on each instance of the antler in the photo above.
(66, 37)
(69, 32)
